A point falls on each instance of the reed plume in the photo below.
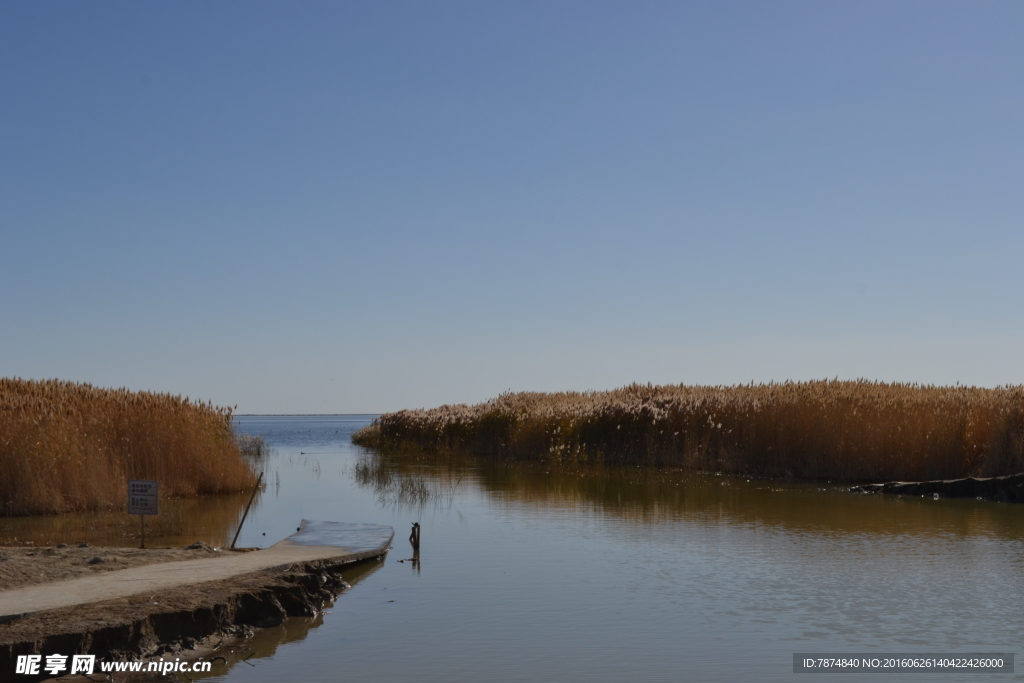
(68, 447)
(849, 431)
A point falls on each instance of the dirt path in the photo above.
(171, 597)
(316, 541)
(21, 566)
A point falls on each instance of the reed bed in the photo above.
(70, 447)
(843, 431)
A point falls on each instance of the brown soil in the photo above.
(178, 621)
(26, 566)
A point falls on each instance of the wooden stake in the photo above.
(253, 496)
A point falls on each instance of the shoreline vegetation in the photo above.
(68, 447)
(840, 431)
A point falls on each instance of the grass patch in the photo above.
(70, 447)
(824, 430)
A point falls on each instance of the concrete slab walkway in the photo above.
(335, 541)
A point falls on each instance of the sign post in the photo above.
(143, 499)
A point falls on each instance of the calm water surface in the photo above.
(527, 575)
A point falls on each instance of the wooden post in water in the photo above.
(414, 537)
(239, 529)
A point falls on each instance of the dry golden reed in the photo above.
(823, 430)
(67, 447)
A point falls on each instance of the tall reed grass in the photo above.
(824, 430)
(67, 447)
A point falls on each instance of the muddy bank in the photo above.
(1007, 489)
(176, 620)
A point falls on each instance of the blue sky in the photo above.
(359, 207)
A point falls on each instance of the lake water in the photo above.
(528, 575)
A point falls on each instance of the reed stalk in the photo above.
(69, 447)
(846, 431)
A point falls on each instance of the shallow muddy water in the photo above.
(529, 575)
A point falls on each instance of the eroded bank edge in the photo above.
(140, 627)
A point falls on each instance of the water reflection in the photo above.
(181, 521)
(406, 484)
(646, 497)
(617, 575)
(265, 643)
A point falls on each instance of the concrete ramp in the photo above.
(335, 541)
(353, 538)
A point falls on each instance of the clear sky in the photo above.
(359, 207)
